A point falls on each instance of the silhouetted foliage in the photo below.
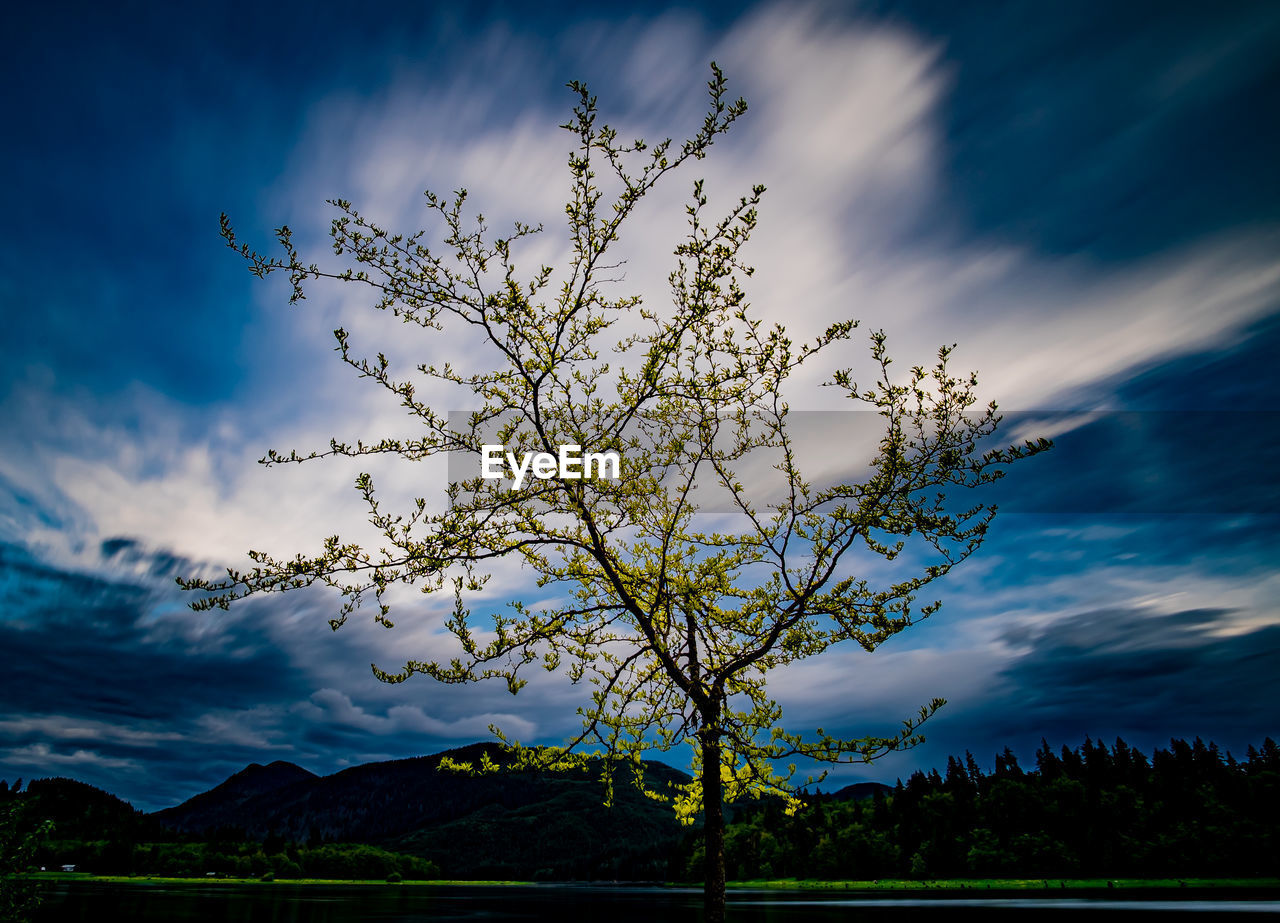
(1092, 811)
(20, 837)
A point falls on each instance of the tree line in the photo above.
(60, 822)
(1093, 811)
(232, 859)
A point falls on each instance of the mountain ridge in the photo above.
(511, 823)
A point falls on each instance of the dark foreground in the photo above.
(336, 903)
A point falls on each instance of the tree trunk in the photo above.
(713, 828)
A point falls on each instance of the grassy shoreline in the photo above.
(204, 880)
(1041, 885)
(1013, 884)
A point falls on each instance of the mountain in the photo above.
(224, 805)
(502, 825)
(505, 824)
(860, 791)
(83, 812)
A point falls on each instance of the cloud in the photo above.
(45, 759)
(118, 680)
(1144, 673)
(846, 129)
(1143, 627)
(334, 707)
(70, 636)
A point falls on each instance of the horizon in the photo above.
(814, 789)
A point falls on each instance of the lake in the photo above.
(282, 902)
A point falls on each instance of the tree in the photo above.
(19, 840)
(674, 627)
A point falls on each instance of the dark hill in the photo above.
(513, 824)
(83, 812)
(224, 805)
(860, 791)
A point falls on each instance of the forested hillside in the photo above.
(1093, 811)
(1189, 810)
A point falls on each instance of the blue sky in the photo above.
(1083, 197)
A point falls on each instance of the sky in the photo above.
(1082, 196)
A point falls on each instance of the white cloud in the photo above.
(43, 757)
(844, 128)
(71, 728)
(334, 707)
(257, 729)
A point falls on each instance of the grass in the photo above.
(1006, 884)
(202, 879)
(777, 884)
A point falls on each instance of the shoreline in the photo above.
(881, 886)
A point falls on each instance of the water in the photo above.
(281, 902)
